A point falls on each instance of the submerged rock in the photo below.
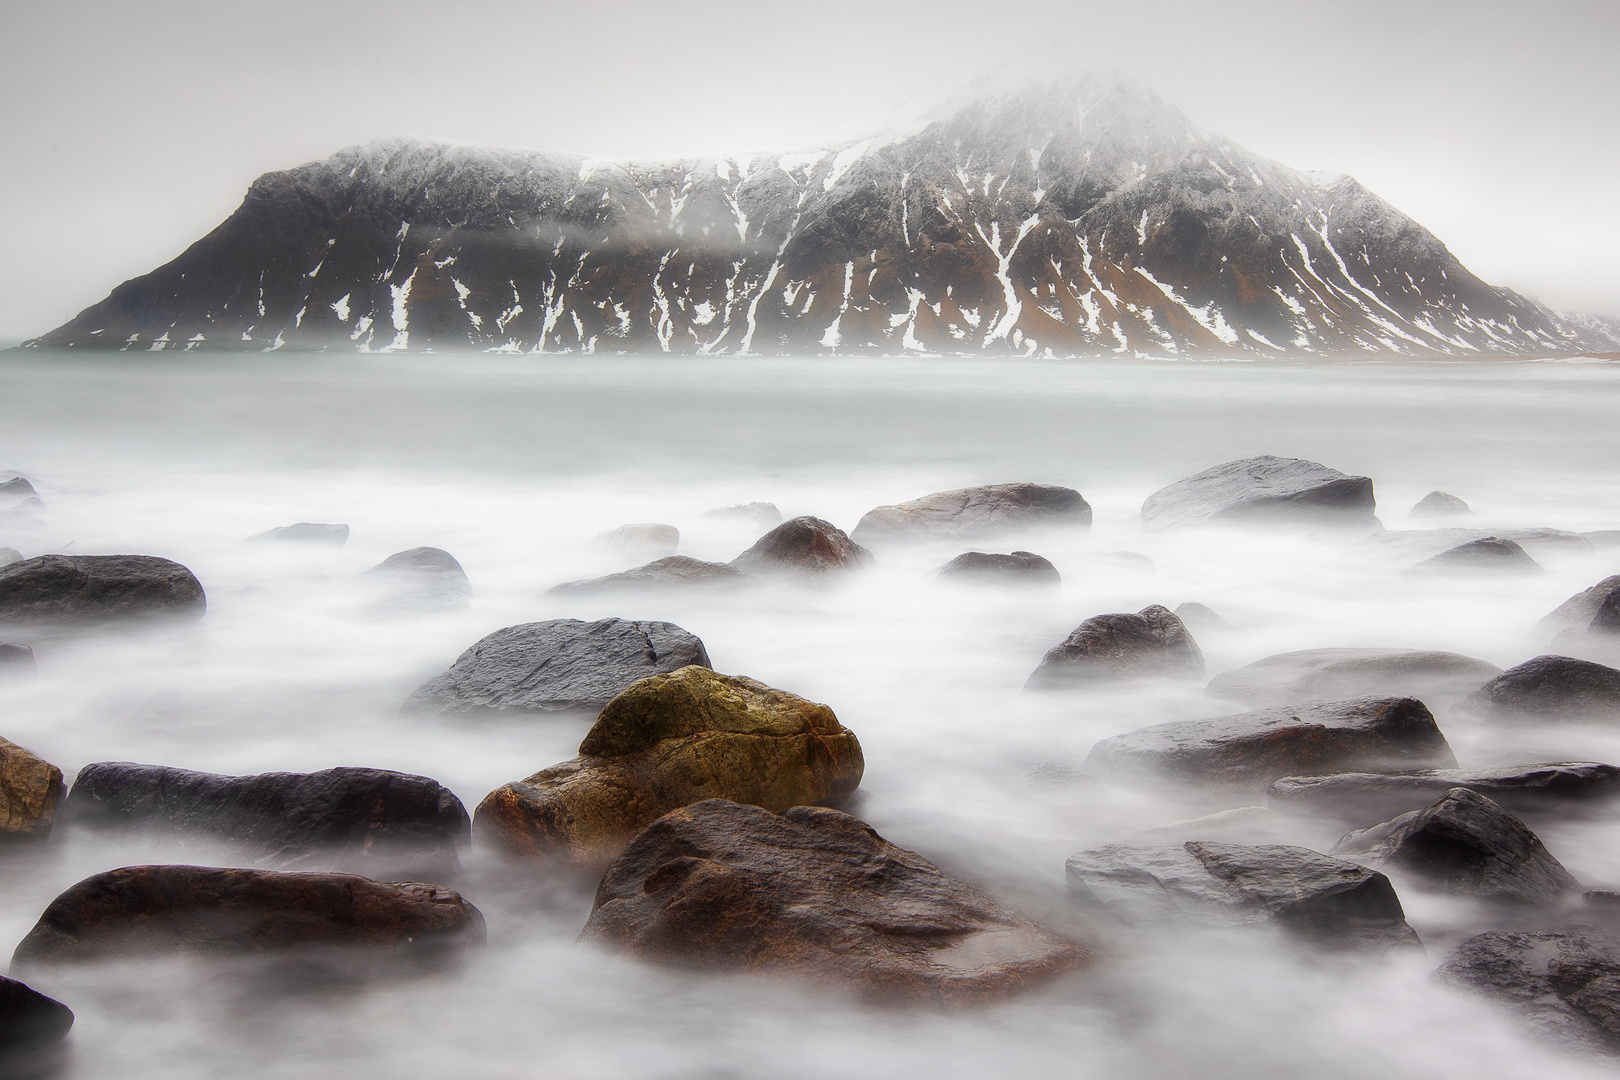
(151, 909)
(1201, 883)
(1550, 687)
(1255, 748)
(985, 511)
(16, 661)
(17, 487)
(78, 588)
(644, 540)
(761, 514)
(28, 1020)
(1565, 987)
(556, 665)
(307, 532)
(803, 547)
(676, 571)
(1019, 568)
(1489, 553)
(1153, 643)
(1337, 673)
(1465, 844)
(30, 788)
(1576, 613)
(1264, 490)
(1603, 538)
(1201, 618)
(820, 895)
(423, 578)
(1377, 795)
(9, 555)
(1439, 504)
(668, 741)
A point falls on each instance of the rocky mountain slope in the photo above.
(1081, 218)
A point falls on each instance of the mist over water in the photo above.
(514, 465)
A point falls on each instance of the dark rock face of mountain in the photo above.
(1079, 218)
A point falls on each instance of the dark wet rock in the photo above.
(1202, 883)
(307, 532)
(1152, 643)
(555, 665)
(1565, 987)
(644, 540)
(666, 742)
(1263, 489)
(76, 588)
(1607, 620)
(17, 487)
(1551, 687)
(763, 515)
(1490, 554)
(1439, 504)
(803, 547)
(1368, 796)
(1255, 748)
(16, 661)
(30, 788)
(9, 555)
(1341, 673)
(1578, 611)
(1019, 568)
(154, 909)
(345, 818)
(1602, 897)
(28, 1019)
(676, 571)
(1201, 618)
(991, 510)
(1467, 845)
(422, 578)
(820, 895)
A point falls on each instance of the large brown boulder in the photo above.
(75, 588)
(804, 547)
(1152, 643)
(146, 909)
(666, 742)
(991, 510)
(30, 788)
(817, 894)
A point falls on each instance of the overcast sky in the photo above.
(132, 127)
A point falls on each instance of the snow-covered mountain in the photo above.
(1080, 218)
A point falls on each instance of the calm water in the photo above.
(513, 465)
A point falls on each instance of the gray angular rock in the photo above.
(1152, 643)
(1202, 883)
(1550, 687)
(676, 571)
(1018, 568)
(79, 588)
(1467, 845)
(1367, 796)
(804, 547)
(1263, 489)
(1255, 748)
(307, 532)
(991, 510)
(1564, 987)
(1340, 673)
(1492, 554)
(1578, 611)
(559, 664)
(1439, 504)
(28, 1020)
(762, 514)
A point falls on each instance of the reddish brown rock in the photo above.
(803, 547)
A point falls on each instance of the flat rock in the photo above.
(666, 742)
(28, 1019)
(349, 816)
(30, 788)
(1202, 883)
(1152, 643)
(78, 588)
(763, 515)
(1438, 504)
(156, 909)
(1468, 845)
(307, 532)
(16, 661)
(1491, 554)
(1578, 611)
(1255, 748)
(1263, 490)
(1341, 673)
(1018, 568)
(804, 547)
(991, 510)
(1367, 796)
(560, 664)
(676, 571)
(819, 895)
(1564, 987)
(643, 540)
(1551, 687)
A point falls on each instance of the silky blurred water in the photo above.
(514, 464)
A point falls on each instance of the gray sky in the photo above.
(132, 127)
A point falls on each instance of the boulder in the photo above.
(16, 661)
(644, 540)
(676, 571)
(1550, 687)
(1198, 617)
(763, 515)
(1607, 619)
(349, 816)
(666, 742)
(1263, 490)
(820, 895)
(1202, 883)
(28, 1020)
(1467, 845)
(1153, 643)
(991, 510)
(1255, 748)
(1372, 796)
(1019, 568)
(560, 664)
(1576, 613)
(422, 578)
(1490, 554)
(155, 909)
(1564, 987)
(9, 555)
(307, 532)
(803, 547)
(30, 788)
(76, 588)
(1439, 504)
(1342, 673)
(17, 487)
